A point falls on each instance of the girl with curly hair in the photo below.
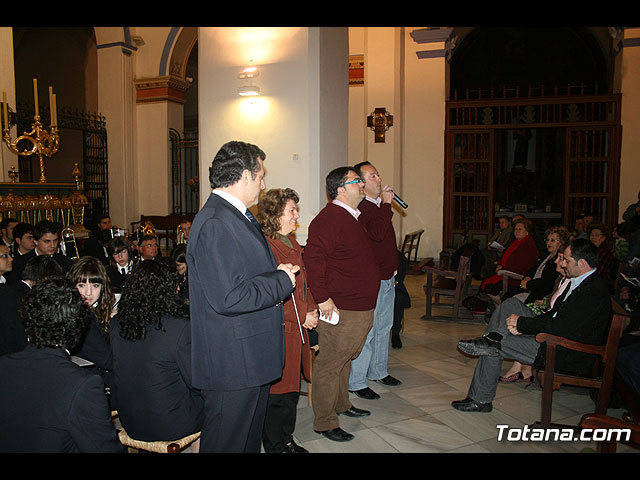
(151, 341)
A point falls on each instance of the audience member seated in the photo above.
(148, 247)
(151, 341)
(519, 257)
(47, 237)
(582, 313)
(632, 213)
(6, 230)
(502, 236)
(529, 307)
(186, 228)
(121, 262)
(12, 335)
(540, 280)
(6, 263)
(607, 263)
(581, 231)
(48, 404)
(179, 255)
(627, 243)
(96, 246)
(23, 239)
(91, 279)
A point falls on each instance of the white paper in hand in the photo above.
(333, 320)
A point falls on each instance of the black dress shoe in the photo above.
(355, 412)
(480, 346)
(470, 405)
(395, 341)
(389, 380)
(293, 447)
(366, 393)
(336, 434)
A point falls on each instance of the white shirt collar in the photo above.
(377, 201)
(575, 281)
(354, 212)
(235, 201)
(2, 279)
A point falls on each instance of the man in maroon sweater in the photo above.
(376, 218)
(344, 279)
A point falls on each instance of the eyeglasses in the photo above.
(357, 180)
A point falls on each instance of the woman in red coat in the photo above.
(277, 214)
(521, 255)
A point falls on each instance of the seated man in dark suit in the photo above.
(47, 402)
(6, 232)
(148, 247)
(582, 313)
(23, 239)
(6, 263)
(47, 237)
(96, 246)
(12, 335)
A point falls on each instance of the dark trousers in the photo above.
(233, 420)
(280, 421)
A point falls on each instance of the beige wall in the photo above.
(630, 156)
(300, 127)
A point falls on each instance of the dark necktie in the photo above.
(253, 220)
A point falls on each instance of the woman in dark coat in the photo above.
(277, 214)
(90, 278)
(151, 343)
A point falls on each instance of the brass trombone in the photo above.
(69, 245)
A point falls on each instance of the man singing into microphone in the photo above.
(376, 215)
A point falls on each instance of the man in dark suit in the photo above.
(12, 335)
(236, 291)
(582, 313)
(47, 237)
(48, 404)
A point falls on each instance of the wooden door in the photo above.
(470, 185)
(592, 178)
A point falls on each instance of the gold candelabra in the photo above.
(44, 143)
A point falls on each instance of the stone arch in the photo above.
(501, 57)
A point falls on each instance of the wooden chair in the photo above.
(173, 446)
(165, 226)
(410, 244)
(609, 444)
(603, 380)
(459, 291)
(506, 276)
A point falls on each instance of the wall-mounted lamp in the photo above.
(248, 74)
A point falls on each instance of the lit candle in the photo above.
(4, 108)
(35, 95)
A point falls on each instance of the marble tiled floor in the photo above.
(417, 417)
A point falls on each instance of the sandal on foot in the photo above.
(511, 378)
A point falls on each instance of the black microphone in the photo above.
(401, 202)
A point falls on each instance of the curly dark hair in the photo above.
(91, 270)
(54, 314)
(271, 206)
(150, 291)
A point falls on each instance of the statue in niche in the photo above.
(521, 150)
